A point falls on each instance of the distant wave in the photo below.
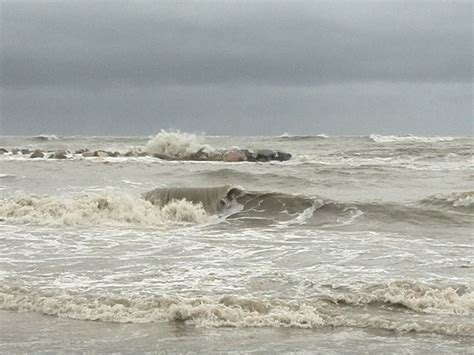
(302, 137)
(423, 302)
(7, 176)
(408, 138)
(45, 137)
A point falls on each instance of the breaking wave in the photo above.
(103, 209)
(415, 296)
(407, 138)
(181, 205)
(302, 137)
(454, 199)
(268, 208)
(428, 306)
(212, 199)
(176, 144)
(45, 137)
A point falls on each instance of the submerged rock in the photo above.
(3, 151)
(25, 151)
(199, 155)
(135, 153)
(88, 154)
(37, 154)
(101, 154)
(102, 204)
(59, 154)
(215, 156)
(162, 156)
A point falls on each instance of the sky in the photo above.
(236, 67)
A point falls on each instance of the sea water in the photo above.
(356, 244)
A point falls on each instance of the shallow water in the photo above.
(355, 244)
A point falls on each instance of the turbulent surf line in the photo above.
(173, 205)
(428, 305)
(453, 200)
(100, 209)
(408, 138)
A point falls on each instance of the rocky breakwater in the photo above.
(231, 156)
(183, 146)
(166, 145)
(224, 155)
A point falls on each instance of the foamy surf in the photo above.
(408, 138)
(455, 199)
(176, 144)
(344, 310)
(100, 209)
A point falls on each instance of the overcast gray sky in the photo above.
(236, 67)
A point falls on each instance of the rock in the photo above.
(234, 155)
(265, 155)
(25, 151)
(249, 155)
(162, 156)
(100, 154)
(215, 156)
(199, 155)
(143, 154)
(37, 154)
(102, 204)
(3, 151)
(282, 156)
(130, 154)
(81, 151)
(59, 154)
(113, 154)
(88, 154)
(15, 151)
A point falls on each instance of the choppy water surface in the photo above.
(355, 244)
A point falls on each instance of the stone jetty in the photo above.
(229, 155)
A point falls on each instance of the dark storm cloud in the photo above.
(235, 67)
(362, 108)
(272, 43)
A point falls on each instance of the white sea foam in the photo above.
(106, 208)
(408, 138)
(417, 296)
(454, 199)
(176, 144)
(236, 311)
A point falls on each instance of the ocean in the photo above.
(354, 245)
